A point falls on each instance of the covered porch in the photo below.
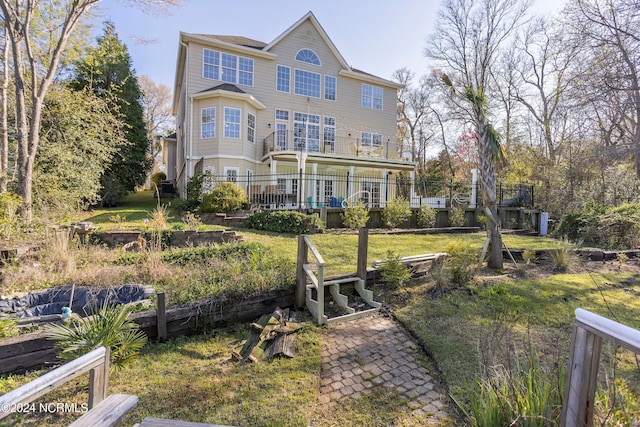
(299, 180)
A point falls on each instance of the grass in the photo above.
(471, 330)
(465, 331)
(193, 379)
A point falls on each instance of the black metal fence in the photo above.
(313, 191)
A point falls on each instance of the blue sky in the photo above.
(376, 36)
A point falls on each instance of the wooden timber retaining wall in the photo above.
(33, 351)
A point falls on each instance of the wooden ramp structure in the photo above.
(310, 284)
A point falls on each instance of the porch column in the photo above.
(474, 189)
(313, 185)
(414, 203)
(385, 188)
(302, 164)
(273, 171)
(352, 186)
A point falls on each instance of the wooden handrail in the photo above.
(582, 370)
(314, 251)
(622, 335)
(96, 361)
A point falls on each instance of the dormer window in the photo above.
(308, 56)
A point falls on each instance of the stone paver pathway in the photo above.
(375, 351)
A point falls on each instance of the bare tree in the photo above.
(158, 118)
(611, 29)
(467, 42)
(34, 73)
(413, 107)
(544, 65)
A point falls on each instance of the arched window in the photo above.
(308, 56)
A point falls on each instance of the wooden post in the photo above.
(320, 294)
(363, 246)
(301, 277)
(582, 375)
(98, 380)
(161, 314)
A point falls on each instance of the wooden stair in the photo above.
(341, 300)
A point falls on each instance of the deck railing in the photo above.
(329, 144)
(298, 190)
(582, 370)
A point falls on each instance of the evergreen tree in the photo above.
(107, 71)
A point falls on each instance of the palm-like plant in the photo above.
(108, 326)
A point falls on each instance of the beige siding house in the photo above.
(289, 117)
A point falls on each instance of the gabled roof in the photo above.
(255, 47)
(311, 18)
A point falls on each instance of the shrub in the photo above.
(462, 259)
(10, 221)
(482, 220)
(396, 212)
(394, 272)
(560, 258)
(157, 178)
(427, 217)
(356, 216)
(528, 256)
(226, 197)
(193, 195)
(108, 326)
(456, 217)
(292, 222)
(610, 227)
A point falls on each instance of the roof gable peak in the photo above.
(309, 16)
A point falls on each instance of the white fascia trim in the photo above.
(370, 79)
(211, 41)
(233, 95)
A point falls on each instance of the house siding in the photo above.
(219, 152)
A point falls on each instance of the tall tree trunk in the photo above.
(488, 178)
(4, 127)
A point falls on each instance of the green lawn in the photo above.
(194, 379)
(464, 331)
(469, 331)
(135, 208)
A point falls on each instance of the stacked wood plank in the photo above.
(272, 335)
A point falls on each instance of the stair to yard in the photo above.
(337, 306)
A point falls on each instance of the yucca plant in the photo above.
(108, 326)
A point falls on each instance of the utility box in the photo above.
(544, 223)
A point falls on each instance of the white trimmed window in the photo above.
(330, 88)
(251, 128)
(208, 120)
(227, 67)
(371, 139)
(372, 96)
(329, 132)
(232, 122)
(231, 174)
(307, 83)
(308, 56)
(283, 79)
